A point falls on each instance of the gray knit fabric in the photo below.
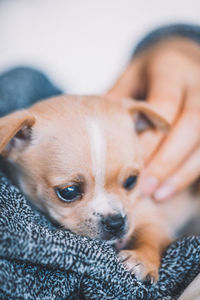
(23, 86)
(40, 261)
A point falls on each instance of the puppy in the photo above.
(78, 159)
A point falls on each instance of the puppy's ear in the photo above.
(145, 116)
(15, 131)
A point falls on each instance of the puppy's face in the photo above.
(78, 159)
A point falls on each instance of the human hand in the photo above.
(167, 75)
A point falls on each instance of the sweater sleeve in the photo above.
(181, 30)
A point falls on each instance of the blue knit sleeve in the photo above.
(181, 30)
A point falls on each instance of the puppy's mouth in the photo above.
(118, 240)
(113, 227)
(121, 244)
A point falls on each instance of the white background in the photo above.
(82, 44)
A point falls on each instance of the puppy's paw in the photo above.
(143, 267)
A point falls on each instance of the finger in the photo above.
(181, 179)
(167, 97)
(130, 83)
(166, 84)
(150, 140)
(177, 146)
(166, 94)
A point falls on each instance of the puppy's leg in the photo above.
(143, 254)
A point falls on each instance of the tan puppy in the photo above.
(78, 159)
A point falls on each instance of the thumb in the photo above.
(130, 83)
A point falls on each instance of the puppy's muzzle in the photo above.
(114, 225)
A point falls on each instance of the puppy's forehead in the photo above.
(70, 114)
(85, 133)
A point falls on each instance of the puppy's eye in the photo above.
(130, 182)
(70, 193)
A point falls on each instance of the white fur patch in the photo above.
(98, 152)
(102, 201)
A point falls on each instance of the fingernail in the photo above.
(149, 184)
(164, 192)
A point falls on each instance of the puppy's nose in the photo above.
(113, 223)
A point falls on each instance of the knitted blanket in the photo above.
(41, 261)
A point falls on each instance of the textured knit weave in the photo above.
(40, 261)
